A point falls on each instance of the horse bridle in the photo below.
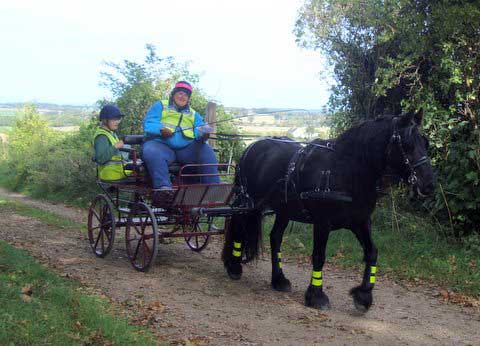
(397, 139)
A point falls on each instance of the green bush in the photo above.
(47, 163)
(68, 170)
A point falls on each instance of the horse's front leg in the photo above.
(314, 296)
(362, 295)
(279, 281)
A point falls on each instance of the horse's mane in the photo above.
(364, 138)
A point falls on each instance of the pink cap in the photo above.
(183, 85)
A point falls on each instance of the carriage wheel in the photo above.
(141, 236)
(101, 225)
(197, 242)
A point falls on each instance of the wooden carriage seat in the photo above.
(173, 168)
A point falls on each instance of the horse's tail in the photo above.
(243, 237)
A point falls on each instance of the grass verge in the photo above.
(52, 310)
(46, 217)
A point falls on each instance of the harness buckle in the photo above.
(412, 179)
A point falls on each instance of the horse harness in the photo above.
(292, 177)
(397, 139)
(321, 192)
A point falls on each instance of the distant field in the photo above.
(66, 128)
(5, 129)
(263, 129)
(295, 132)
(7, 112)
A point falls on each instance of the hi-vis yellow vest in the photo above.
(113, 169)
(171, 119)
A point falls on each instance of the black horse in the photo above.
(331, 185)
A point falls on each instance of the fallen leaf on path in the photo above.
(27, 290)
(196, 341)
(457, 298)
(156, 306)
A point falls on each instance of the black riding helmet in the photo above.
(110, 112)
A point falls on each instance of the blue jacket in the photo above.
(152, 126)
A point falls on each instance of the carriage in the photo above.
(188, 213)
(331, 187)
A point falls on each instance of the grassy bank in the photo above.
(40, 308)
(47, 217)
(410, 247)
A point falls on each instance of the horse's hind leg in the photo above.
(279, 281)
(232, 250)
(314, 296)
(362, 295)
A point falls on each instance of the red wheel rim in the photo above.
(197, 242)
(101, 226)
(141, 236)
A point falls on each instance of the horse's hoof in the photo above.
(362, 298)
(234, 270)
(281, 284)
(360, 308)
(315, 298)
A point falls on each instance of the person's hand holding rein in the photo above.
(118, 145)
(205, 131)
(166, 132)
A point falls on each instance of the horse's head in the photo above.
(408, 156)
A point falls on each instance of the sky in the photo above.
(245, 51)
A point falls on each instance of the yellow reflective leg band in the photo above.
(236, 249)
(317, 279)
(279, 256)
(373, 271)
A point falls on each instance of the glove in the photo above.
(166, 132)
(205, 131)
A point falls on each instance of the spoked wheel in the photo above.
(101, 226)
(197, 242)
(141, 236)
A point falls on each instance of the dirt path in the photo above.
(188, 298)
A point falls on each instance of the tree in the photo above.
(28, 143)
(136, 86)
(392, 56)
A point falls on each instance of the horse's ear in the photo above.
(406, 119)
(419, 117)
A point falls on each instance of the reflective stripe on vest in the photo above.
(113, 169)
(171, 119)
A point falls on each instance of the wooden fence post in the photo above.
(211, 118)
